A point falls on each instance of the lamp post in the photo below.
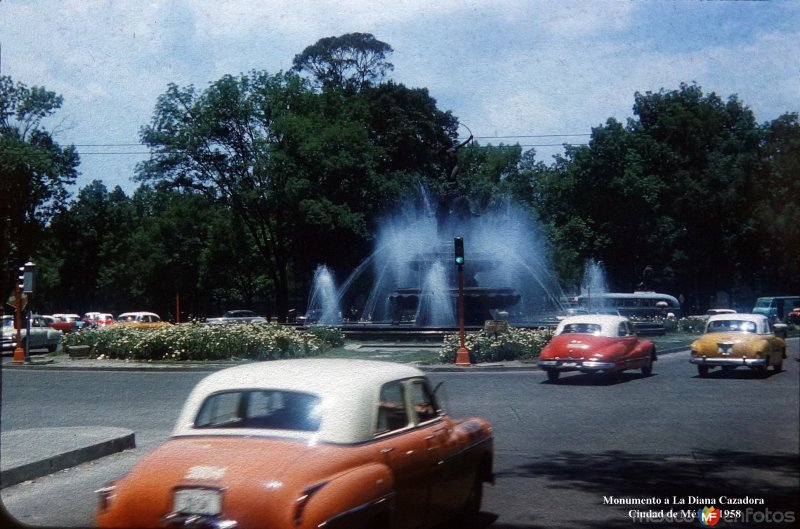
(462, 356)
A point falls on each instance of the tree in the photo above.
(352, 60)
(34, 171)
(222, 144)
(775, 207)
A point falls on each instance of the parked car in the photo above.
(308, 443)
(238, 316)
(42, 335)
(794, 316)
(596, 343)
(66, 323)
(739, 340)
(98, 319)
(141, 320)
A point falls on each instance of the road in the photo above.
(572, 454)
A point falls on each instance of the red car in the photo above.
(596, 343)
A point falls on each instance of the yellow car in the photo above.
(736, 340)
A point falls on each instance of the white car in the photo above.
(238, 316)
(42, 335)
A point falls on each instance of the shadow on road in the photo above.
(593, 379)
(701, 475)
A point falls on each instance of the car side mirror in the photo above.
(781, 330)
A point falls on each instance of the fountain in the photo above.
(323, 307)
(594, 285)
(411, 279)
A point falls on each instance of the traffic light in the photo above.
(459, 250)
(27, 277)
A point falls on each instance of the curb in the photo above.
(18, 467)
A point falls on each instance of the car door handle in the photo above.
(387, 450)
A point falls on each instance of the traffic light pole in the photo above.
(19, 350)
(462, 356)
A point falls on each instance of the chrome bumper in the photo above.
(588, 366)
(728, 361)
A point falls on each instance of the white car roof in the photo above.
(609, 323)
(127, 314)
(760, 320)
(349, 391)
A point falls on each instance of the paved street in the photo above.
(572, 454)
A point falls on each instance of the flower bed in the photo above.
(483, 346)
(195, 341)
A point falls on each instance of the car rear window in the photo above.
(582, 328)
(731, 326)
(268, 409)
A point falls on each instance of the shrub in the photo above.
(196, 341)
(516, 344)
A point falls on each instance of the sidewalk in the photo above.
(30, 454)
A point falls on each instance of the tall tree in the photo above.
(775, 207)
(225, 143)
(34, 171)
(352, 60)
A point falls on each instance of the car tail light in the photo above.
(105, 495)
(301, 502)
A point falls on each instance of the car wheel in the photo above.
(702, 371)
(648, 369)
(553, 374)
(778, 366)
(761, 371)
(472, 507)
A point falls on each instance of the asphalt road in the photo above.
(579, 453)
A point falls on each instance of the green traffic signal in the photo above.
(458, 242)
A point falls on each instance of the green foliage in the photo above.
(195, 341)
(350, 60)
(516, 344)
(34, 171)
(689, 324)
(330, 336)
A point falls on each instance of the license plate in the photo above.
(569, 364)
(198, 501)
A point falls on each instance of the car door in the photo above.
(402, 446)
(630, 355)
(448, 477)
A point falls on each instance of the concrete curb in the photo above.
(31, 454)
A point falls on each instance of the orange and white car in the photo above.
(308, 443)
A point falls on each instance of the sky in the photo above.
(538, 73)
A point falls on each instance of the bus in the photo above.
(776, 307)
(636, 304)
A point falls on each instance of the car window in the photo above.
(582, 328)
(392, 414)
(423, 402)
(731, 326)
(268, 409)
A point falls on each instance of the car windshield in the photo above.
(763, 303)
(8, 322)
(266, 408)
(581, 328)
(731, 326)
